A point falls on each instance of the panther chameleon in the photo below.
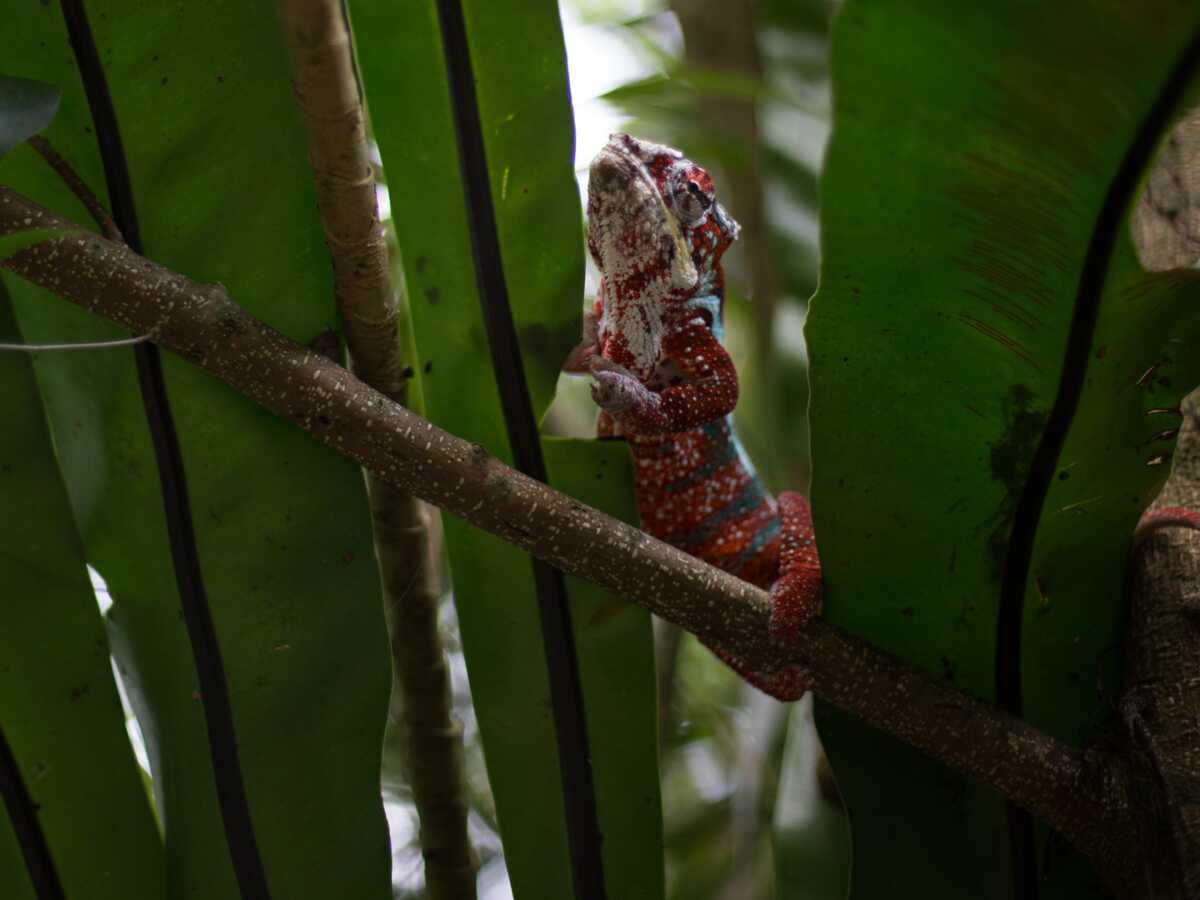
(666, 384)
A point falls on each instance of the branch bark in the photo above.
(327, 92)
(1082, 793)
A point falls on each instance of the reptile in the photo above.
(652, 342)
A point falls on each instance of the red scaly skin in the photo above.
(664, 382)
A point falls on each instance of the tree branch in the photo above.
(1083, 794)
(327, 93)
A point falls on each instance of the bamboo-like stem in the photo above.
(1082, 793)
(327, 93)
(1161, 709)
(722, 38)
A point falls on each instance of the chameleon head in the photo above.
(653, 218)
(657, 234)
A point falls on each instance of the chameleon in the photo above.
(652, 342)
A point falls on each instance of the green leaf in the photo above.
(16, 883)
(616, 655)
(222, 188)
(518, 62)
(811, 833)
(26, 107)
(57, 693)
(977, 265)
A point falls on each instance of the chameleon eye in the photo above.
(698, 192)
(691, 203)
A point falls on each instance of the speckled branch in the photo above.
(1081, 793)
(327, 93)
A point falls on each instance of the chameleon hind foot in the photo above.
(796, 592)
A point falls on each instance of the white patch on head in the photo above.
(636, 237)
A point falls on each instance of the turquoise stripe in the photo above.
(765, 535)
(721, 454)
(750, 498)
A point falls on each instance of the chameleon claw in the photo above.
(616, 392)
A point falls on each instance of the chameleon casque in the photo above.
(665, 383)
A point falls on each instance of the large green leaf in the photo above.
(811, 834)
(517, 56)
(17, 885)
(977, 265)
(12, 244)
(222, 187)
(57, 693)
(616, 655)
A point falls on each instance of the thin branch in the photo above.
(327, 94)
(107, 227)
(1083, 794)
(78, 187)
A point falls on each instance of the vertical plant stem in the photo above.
(327, 92)
(1161, 709)
(723, 37)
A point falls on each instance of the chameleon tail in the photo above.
(787, 684)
